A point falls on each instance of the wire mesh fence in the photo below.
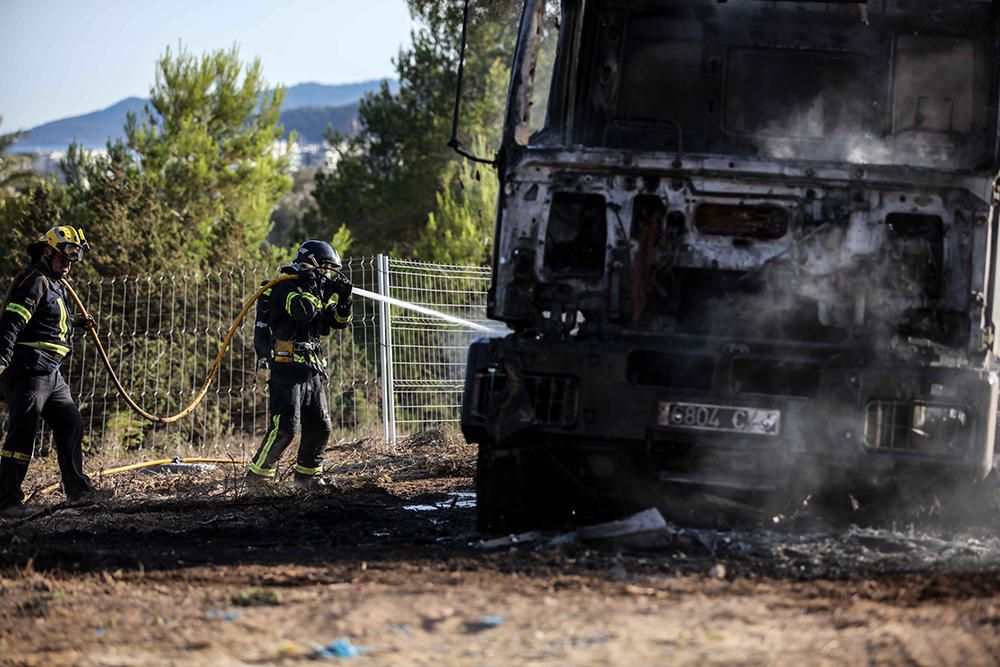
(390, 373)
(427, 354)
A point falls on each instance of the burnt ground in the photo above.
(191, 568)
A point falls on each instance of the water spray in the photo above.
(428, 311)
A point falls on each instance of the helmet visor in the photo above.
(71, 251)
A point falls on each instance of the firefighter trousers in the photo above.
(295, 402)
(31, 399)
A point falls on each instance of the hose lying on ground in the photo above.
(92, 328)
(137, 466)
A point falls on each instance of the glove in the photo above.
(343, 286)
(86, 321)
(343, 310)
(263, 373)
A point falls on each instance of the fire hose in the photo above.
(136, 466)
(92, 328)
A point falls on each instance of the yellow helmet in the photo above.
(69, 241)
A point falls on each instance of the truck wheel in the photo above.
(500, 506)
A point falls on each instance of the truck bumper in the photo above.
(734, 415)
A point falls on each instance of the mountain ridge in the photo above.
(309, 107)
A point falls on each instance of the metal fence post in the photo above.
(385, 345)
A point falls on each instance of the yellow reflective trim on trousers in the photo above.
(63, 328)
(302, 470)
(18, 309)
(15, 455)
(261, 472)
(258, 465)
(61, 350)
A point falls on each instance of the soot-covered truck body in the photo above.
(741, 245)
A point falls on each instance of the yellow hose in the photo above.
(91, 326)
(137, 466)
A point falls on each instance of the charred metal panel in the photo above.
(575, 235)
(823, 261)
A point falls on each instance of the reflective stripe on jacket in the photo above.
(36, 326)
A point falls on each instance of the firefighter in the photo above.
(35, 332)
(287, 340)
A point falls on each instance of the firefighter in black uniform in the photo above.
(287, 340)
(36, 327)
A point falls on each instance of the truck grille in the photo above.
(917, 428)
(553, 398)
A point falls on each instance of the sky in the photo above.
(62, 58)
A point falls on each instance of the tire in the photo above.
(500, 493)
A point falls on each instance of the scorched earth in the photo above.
(188, 568)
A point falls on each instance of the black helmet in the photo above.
(315, 254)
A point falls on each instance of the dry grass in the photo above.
(436, 453)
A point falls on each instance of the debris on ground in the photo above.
(513, 540)
(487, 622)
(134, 579)
(257, 597)
(341, 647)
(645, 522)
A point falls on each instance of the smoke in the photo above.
(926, 120)
(819, 288)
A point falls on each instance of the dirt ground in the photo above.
(387, 569)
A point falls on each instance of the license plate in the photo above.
(731, 419)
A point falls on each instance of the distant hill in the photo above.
(308, 109)
(315, 95)
(92, 130)
(311, 122)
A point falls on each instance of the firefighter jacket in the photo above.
(301, 311)
(36, 325)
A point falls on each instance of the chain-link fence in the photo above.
(390, 373)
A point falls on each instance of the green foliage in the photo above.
(342, 240)
(118, 207)
(192, 187)
(16, 174)
(291, 208)
(22, 220)
(205, 144)
(389, 173)
(26, 203)
(460, 229)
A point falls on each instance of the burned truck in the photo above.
(743, 246)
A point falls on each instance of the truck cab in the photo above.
(742, 246)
